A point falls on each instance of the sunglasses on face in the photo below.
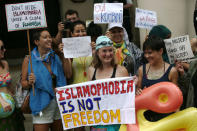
(2, 48)
(105, 43)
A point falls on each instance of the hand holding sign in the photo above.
(77, 47)
(99, 102)
(179, 48)
(25, 15)
(108, 13)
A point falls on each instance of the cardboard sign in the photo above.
(145, 18)
(179, 48)
(77, 47)
(108, 13)
(25, 16)
(100, 102)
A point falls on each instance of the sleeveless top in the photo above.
(147, 82)
(114, 127)
(113, 74)
(5, 80)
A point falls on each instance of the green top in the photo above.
(80, 68)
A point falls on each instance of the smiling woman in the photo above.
(104, 66)
(47, 74)
(155, 71)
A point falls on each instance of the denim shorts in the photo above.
(48, 114)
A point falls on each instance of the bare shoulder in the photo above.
(173, 76)
(90, 72)
(26, 60)
(121, 71)
(140, 69)
(5, 63)
(91, 69)
(173, 70)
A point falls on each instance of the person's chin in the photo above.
(49, 47)
(108, 60)
(118, 41)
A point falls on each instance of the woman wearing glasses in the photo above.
(13, 122)
(104, 66)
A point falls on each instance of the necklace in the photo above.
(155, 75)
(83, 62)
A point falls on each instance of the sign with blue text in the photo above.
(145, 18)
(25, 16)
(99, 102)
(108, 13)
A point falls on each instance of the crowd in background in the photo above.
(113, 55)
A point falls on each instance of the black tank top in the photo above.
(113, 74)
(147, 82)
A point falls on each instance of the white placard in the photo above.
(100, 102)
(24, 16)
(179, 48)
(145, 18)
(77, 47)
(108, 13)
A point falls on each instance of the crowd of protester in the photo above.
(113, 55)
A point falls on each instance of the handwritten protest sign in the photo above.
(77, 47)
(25, 16)
(100, 102)
(179, 48)
(145, 18)
(108, 13)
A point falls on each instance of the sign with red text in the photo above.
(179, 48)
(75, 47)
(99, 102)
(24, 16)
(145, 18)
(108, 13)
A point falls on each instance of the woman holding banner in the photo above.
(11, 118)
(47, 74)
(155, 71)
(127, 53)
(104, 66)
(79, 65)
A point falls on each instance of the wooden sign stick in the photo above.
(29, 47)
